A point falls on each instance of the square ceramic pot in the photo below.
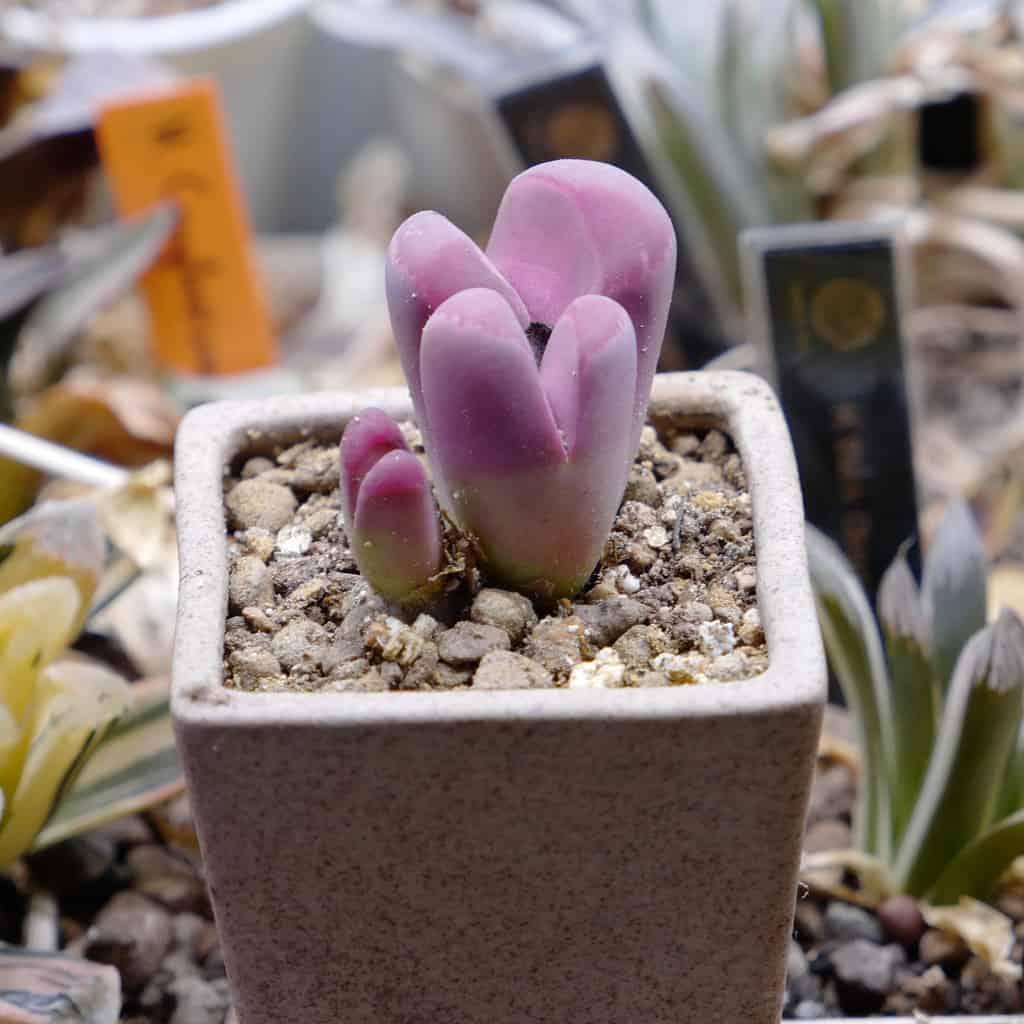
(502, 857)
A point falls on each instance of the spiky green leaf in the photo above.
(103, 265)
(709, 181)
(24, 277)
(975, 740)
(1011, 796)
(979, 866)
(915, 701)
(858, 37)
(855, 653)
(954, 588)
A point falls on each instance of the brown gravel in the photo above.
(673, 601)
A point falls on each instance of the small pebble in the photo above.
(682, 669)
(697, 611)
(467, 642)
(943, 948)
(426, 626)
(448, 677)
(298, 641)
(371, 681)
(728, 667)
(394, 641)
(810, 1009)
(504, 609)
(716, 638)
(258, 503)
(642, 486)
(796, 962)
(607, 620)
(258, 542)
(902, 920)
(250, 583)
(557, 644)
(255, 466)
(639, 645)
(172, 881)
(864, 974)
(253, 666)
(317, 471)
(505, 670)
(751, 632)
(320, 521)
(656, 536)
(199, 1001)
(845, 922)
(605, 672)
(746, 579)
(257, 618)
(133, 934)
(808, 924)
(714, 445)
(295, 539)
(724, 530)
(308, 593)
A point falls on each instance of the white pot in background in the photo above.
(254, 48)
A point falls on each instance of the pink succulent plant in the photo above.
(530, 369)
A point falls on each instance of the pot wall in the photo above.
(500, 857)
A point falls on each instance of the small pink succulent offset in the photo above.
(530, 368)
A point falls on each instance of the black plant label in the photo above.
(576, 114)
(833, 326)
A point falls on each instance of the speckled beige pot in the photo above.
(591, 856)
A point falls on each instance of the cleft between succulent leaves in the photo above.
(538, 334)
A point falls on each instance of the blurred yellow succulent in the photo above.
(54, 706)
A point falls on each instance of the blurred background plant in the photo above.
(83, 745)
(935, 686)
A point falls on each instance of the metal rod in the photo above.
(58, 461)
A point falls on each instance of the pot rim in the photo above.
(226, 22)
(743, 405)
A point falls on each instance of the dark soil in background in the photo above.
(673, 601)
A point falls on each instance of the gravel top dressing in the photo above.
(672, 602)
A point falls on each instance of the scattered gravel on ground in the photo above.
(673, 601)
(847, 960)
(129, 900)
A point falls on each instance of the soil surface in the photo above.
(673, 600)
(851, 960)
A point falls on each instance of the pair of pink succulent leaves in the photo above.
(530, 368)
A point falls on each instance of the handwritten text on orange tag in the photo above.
(208, 306)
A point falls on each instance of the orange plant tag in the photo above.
(207, 303)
